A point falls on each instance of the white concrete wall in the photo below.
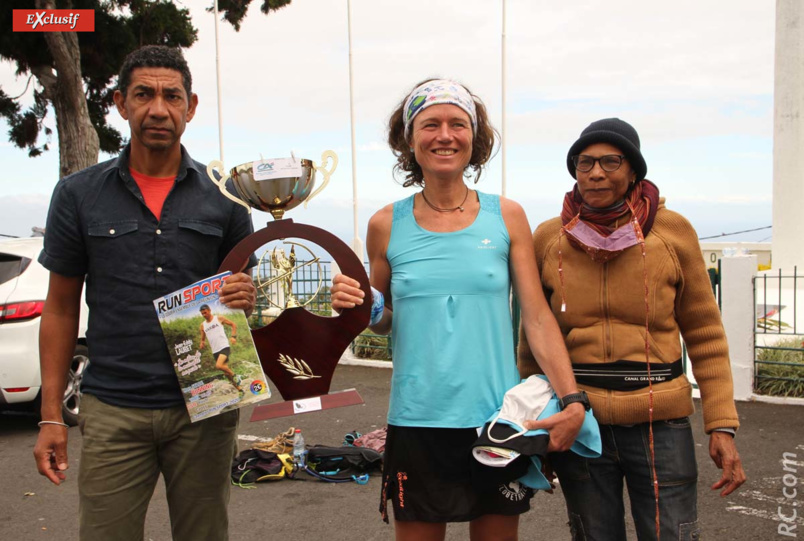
(788, 136)
(712, 251)
(739, 319)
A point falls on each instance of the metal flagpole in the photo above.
(218, 82)
(357, 243)
(503, 142)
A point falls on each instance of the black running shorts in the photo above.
(427, 475)
(224, 351)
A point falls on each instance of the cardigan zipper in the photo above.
(606, 313)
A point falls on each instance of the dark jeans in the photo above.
(593, 488)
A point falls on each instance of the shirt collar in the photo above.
(187, 164)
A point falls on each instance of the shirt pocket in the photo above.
(112, 246)
(112, 230)
(113, 241)
(199, 244)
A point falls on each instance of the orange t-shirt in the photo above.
(154, 190)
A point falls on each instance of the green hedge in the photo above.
(781, 379)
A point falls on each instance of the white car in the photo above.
(23, 288)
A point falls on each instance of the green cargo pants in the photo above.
(123, 452)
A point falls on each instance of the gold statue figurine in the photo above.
(285, 266)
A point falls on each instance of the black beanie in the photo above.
(614, 132)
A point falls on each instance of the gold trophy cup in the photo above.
(299, 350)
(261, 186)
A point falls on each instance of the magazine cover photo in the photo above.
(212, 350)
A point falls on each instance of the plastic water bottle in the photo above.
(299, 450)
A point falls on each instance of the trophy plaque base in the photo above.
(339, 399)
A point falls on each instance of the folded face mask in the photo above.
(521, 403)
(600, 248)
(496, 457)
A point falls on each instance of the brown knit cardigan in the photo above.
(604, 320)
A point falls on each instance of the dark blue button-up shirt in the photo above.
(98, 225)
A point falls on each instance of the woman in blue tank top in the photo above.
(443, 261)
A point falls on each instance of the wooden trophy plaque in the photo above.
(299, 350)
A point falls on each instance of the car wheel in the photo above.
(72, 393)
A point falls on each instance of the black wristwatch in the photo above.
(579, 397)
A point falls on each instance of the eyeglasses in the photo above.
(608, 163)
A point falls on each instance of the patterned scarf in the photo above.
(642, 198)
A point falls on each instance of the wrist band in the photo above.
(377, 307)
(40, 423)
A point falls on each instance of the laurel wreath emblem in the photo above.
(298, 367)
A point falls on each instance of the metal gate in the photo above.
(778, 339)
(309, 276)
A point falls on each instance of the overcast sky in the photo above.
(694, 78)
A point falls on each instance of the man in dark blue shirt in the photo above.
(138, 227)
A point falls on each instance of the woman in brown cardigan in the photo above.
(624, 276)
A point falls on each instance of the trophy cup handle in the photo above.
(325, 157)
(215, 164)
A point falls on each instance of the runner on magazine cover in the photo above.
(212, 330)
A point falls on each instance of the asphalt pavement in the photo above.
(771, 442)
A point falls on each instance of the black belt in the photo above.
(625, 375)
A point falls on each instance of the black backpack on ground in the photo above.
(342, 464)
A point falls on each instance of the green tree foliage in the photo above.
(234, 11)
(47, 59)
(120, 27)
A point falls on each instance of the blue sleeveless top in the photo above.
(452, 332)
